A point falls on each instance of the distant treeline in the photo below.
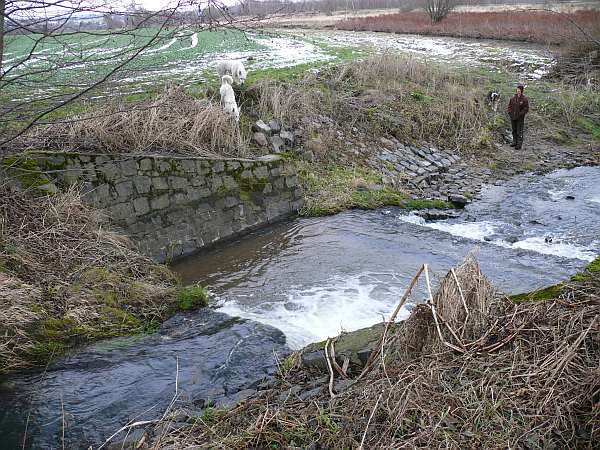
(136, 17)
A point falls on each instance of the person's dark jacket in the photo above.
(518, 107)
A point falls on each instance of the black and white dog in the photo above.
(493, 99)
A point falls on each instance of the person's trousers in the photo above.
(517, 131)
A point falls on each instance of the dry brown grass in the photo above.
(172, 123)
(65, 278)
(384, 94)
(480, 372)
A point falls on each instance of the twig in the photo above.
(431, 305)
(330, 370)
(362, 442)
(462, 297)
(127, 427)
(405, 297)
(334, 363)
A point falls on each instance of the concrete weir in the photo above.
(172, 206)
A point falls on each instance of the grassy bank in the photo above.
(471, 369)
(332, 189)
(66, 280)
(526, 25)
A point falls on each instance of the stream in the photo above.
(294, 283)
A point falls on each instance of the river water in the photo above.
(308, 278)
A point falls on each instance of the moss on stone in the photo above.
(594, 266)
(546, 293)
(589, 271)
(192, 297)
(25, 170)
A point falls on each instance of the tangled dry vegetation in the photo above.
(468, 369)
(65, 278)
(386, 94)
(382, 95)
(174, 122)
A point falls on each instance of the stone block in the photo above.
(231, 201)
(197, 181)
(160, 183)
(146, 164)
(260, 139)
(192, 194)
(142, 184)
(178, 198)
(121, 212)
(246, 174)
(229, 182)
(218, 167)
(141, 206)
(261, 172)
(287, 137)
(277, 143)
(129, 167)
(261, 127)
(291, 181)
(188, 165)
(275, 126)
(178, 182)
(162, 166)
(124, 189)
(233, 165)
(160, 202)
(110, 171)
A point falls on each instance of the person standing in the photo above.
(518, 106)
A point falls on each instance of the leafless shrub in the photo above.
(438, 9)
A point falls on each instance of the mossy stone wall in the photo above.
(173, 206)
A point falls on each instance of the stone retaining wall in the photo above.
(172, 206)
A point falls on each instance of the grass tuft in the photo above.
(192, 297)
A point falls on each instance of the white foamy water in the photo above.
(556, 248)
(557, 194)
(594, 199)
(478, 231)
(318, 312)
(470, 230)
